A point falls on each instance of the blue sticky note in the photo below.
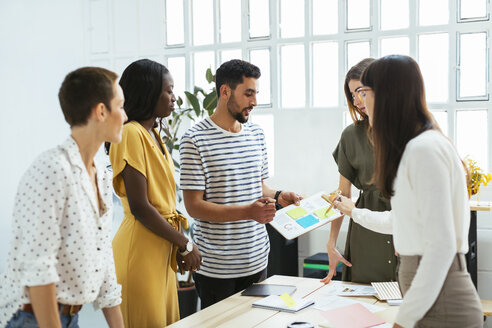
(307, 221)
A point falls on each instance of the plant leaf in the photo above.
(179, 101)
(209, 76)
(193, 100)
(196, 90)
(210, 102)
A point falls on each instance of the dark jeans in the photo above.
(23, 319)
(213, 290)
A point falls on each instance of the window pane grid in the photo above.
(277, 50)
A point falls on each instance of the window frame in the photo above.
(273, 41)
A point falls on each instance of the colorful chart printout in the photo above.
(293, 221)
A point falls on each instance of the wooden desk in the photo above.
(237, 311)
(472, 255)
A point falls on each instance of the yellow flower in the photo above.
(477, 176)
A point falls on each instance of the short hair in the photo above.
(355, 73)
(232, 72)
(142, 86)
(83, 89)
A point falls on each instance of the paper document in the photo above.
(355, 290)
(293, 221)
(341, 289)
(331, 302)
(351, 316)
(278, 303)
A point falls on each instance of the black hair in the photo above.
(141, 83)
(83, 89)
(232, 72)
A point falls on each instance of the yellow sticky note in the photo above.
(287, 300)
(296, 213)
(321, 213)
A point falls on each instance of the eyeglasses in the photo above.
(361, 93)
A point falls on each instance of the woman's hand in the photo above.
(334, 257)
(344, 205)
(182, 265)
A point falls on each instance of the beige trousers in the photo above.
(458, 304)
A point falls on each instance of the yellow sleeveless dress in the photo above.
(146, 263)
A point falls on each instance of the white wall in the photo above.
(42, 41)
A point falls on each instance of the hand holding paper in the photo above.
(344, 205)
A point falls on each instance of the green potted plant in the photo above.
(199, 104)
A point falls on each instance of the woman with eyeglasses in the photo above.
(369, 256)
(419, 169)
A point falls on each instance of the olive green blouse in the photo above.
(372, 254)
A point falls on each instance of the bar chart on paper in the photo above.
(313, 212)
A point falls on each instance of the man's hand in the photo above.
(288, 197)
(334, 257)
(262, 210)
(193, 259)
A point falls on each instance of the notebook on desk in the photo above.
(274, 302)
(268, 289)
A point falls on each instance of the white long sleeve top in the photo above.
(59, 236)
(430, 217)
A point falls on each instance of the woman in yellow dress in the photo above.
(149, 244)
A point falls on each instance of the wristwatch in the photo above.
(277, 205)
(188, 248)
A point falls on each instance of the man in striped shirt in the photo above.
(223, 166)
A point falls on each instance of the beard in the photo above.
(232, 108)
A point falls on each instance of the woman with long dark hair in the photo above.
(149, 244)
(418, 168)
(369, 256)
